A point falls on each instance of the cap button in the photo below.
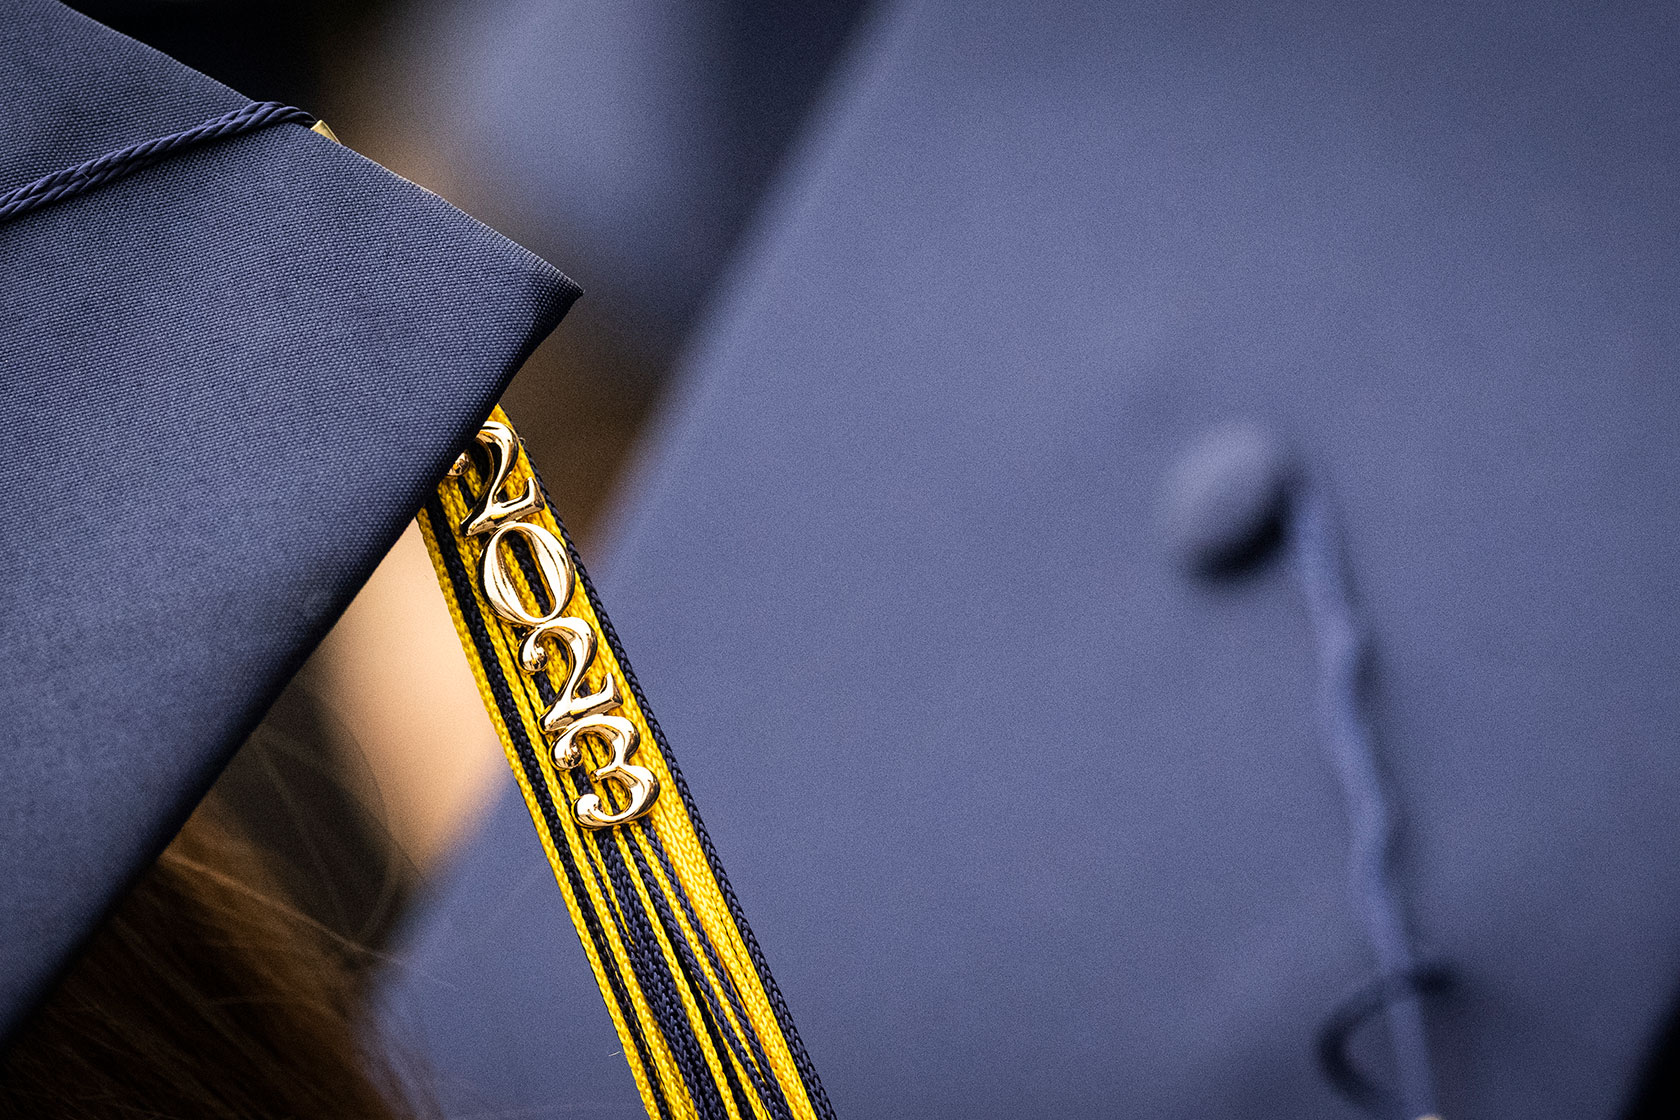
(1226, 499)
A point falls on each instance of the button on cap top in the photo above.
(1226, 499)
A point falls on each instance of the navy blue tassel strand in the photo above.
(1345, 1022)
(1344, 656)
(97, 172)
(1236, 499)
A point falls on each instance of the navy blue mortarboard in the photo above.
(1162, 574)
(234, 359)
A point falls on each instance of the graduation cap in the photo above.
(1079, 751)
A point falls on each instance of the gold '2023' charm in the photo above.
(503, 520)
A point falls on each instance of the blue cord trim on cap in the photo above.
(111, 166)
(1344, 660)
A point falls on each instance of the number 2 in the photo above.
(498, 439)
(580, 651)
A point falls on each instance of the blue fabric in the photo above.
(226, 382)
(1029, 822)
(67, 182)
(635, 133)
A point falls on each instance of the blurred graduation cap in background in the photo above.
(1158, 569)
(632, 136)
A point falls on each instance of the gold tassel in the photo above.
(703, 1026)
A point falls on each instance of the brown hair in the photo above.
(204, 996)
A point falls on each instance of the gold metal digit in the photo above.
(640, 785)
(619, 732)
(498, 439)
(554, 564)
(580, 643)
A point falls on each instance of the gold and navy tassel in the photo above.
(702, 1024)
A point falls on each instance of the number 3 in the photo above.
(640, 784)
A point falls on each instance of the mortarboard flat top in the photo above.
(1029, 822)
(226, 383)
